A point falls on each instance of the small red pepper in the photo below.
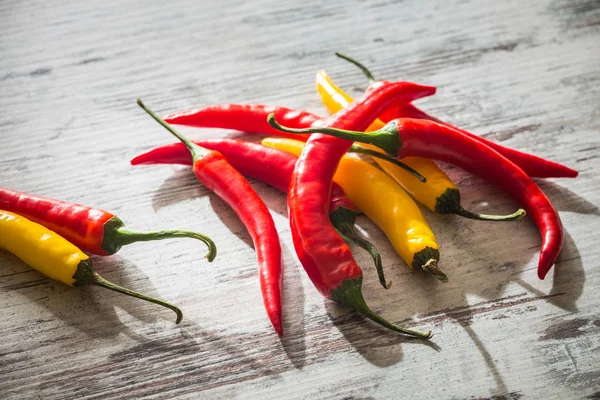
(406, 137)
(324, 255)
(90, 229)
(273, 167)
(213, 170)
(533, 166)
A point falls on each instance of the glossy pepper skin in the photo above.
(91, 229)
(422, 138)
(384, 203)
(273, 167)
(325, 257)
(212, 169)
(55, 257)
(251, 118)
(440, 194)
(533, 166)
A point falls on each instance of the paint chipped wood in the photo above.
(521, 73)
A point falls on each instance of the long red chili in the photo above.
(324, 255)
(273, 167)
(422, 138)
(533, 166)
(91, 229)
(213, 170)
(251, 118)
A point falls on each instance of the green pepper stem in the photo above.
(431, 267)
(349, 294)
(196, 151)
(364, 69)
(85, 275)
(449, 203)
(123, 236)
(386, 138)
(486, 217)
(343, 221)
(426, 260)
(393, 160)
(341, 133)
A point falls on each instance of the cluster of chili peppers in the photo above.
(328, 182)
(54, 236)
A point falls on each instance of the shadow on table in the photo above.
(568, 281)
(567, 200)
(80, 306)
(294, 340)
(193, 358)
(378, 345)
(383, 348)
(181, 186)
(294, 337)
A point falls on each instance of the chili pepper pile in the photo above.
(328, 180)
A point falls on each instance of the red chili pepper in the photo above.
(533, 166)
(251, 118)
(92, 230)
(422, 138)
(325, 257)
(273, 167)
(213, 170)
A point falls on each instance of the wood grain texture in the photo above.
(526, 74)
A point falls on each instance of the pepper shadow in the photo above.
(229, 218)
(181, 186)
(568, 278)
(187, 359)
(124, 273)
(272, 198)
(567, 200)
(567, 288)
(86, 308)
(376, 344)
(294, 336)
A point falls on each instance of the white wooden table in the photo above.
(524, 73)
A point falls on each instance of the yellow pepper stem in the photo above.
(86, 275)
(427, 260)
(364, 69)
(449, 203)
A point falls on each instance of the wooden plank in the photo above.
(522, 73)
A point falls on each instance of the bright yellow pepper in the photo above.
(384, 203)
(55, 257)
(431, 194)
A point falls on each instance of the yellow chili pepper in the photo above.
(386, 204)
(438, 194)
(57, 258)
